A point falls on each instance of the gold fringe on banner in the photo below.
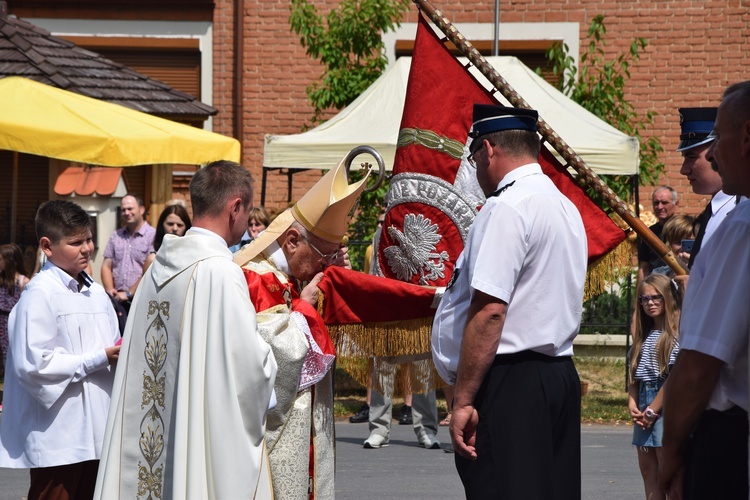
(611, 268)
(393, 378)
(400, 349)
(386, 339)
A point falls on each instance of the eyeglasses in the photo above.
(645, 299)
(472, 161)
(327, 258)
(381, 222)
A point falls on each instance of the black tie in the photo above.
(702, 219)
(500, 191)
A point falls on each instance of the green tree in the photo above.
(599, 86)
(348, 43)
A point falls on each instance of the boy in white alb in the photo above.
(58, 378)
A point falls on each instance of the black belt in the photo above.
(734, 411)
(516, 357)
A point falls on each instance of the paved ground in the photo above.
(404, 470)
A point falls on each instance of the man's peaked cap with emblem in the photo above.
(489, 118)
(696, 124)
(323, 211)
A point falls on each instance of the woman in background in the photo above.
(173, 220)
(12, 280)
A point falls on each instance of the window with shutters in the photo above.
(174, 61)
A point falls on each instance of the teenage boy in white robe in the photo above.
(58, 379)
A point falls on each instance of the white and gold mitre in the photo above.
(323, 211)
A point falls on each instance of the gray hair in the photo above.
(516, 142)
(671, 190)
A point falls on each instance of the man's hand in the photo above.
(342, 260)
(671, 473)
(113, 354)
(463, 431)
(682, 281)
(310, 292)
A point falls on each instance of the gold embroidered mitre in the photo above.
(323, 211)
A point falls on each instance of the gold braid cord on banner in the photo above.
(430, 140)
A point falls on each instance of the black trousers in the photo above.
(529, 433)
(716, 461)
(64, 482)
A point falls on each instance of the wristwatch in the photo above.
(649, 413)
(128, 295)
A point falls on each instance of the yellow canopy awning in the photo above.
(46, 121)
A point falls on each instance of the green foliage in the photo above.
(348, 44)
(606, 313)
(599, 86)
(371, 205)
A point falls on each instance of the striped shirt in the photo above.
(648, 365)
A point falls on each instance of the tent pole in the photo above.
(14, 200)
(496, 39)
(586, 176)
(263, 187)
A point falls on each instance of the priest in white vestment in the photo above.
(292, 251)
(194, 380)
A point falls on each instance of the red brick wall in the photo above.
(695, 50)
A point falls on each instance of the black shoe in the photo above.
(405, 418)
(363, 415)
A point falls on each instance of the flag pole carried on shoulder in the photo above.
(586, 176)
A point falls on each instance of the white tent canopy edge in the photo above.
(374, 119)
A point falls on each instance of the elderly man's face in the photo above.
(307, 261)
(697, 168)
(664, 205)
(727, 150)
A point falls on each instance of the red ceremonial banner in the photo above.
(353, 297)
(429, 212)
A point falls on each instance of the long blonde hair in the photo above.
(645, 323)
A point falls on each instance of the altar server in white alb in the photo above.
(195, 379)
(503, 333)
(59, 374)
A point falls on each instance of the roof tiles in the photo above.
(32, 52)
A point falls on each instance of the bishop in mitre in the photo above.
(282, 267)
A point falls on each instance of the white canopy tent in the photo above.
(375, 116)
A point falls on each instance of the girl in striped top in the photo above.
(653, 353)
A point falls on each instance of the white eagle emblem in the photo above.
(415, 252)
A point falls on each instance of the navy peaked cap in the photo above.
(489, 118)
(696, 124)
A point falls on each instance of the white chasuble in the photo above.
(192, 385)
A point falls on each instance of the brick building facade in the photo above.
(695, 49)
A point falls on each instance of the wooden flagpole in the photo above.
(586, 176)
